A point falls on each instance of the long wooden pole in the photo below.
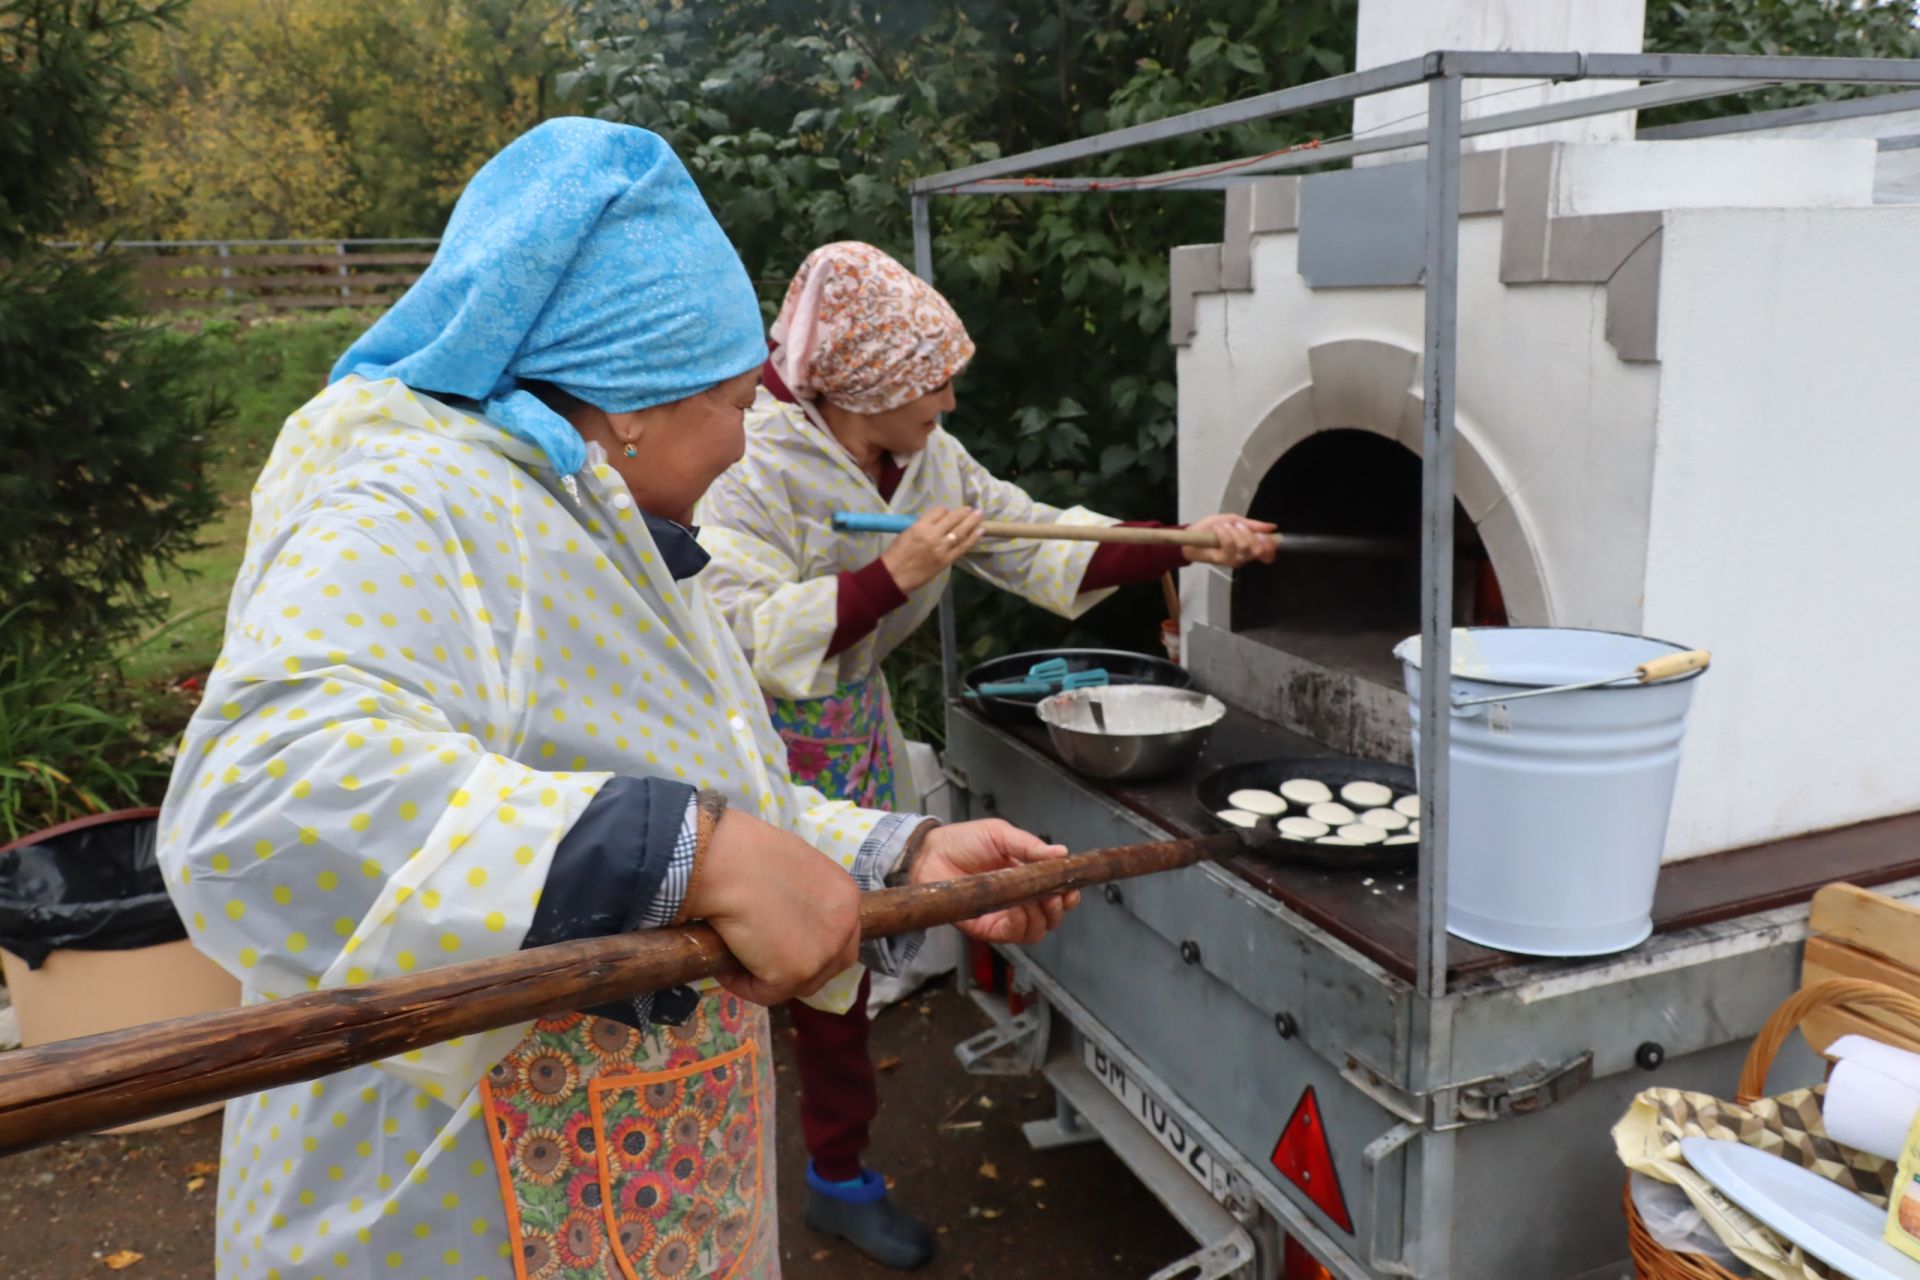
(1317, 543)
(97, 1082)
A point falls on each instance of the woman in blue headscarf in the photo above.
(473, 698)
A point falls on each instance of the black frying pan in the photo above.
(1267, 775)
(1120, 665)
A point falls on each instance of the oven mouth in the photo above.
(1348, 613)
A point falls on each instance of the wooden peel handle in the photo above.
(1331, 544)
(1674, 664)
(1098, 533)
(97, 1082)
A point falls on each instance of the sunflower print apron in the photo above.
(638, 1155)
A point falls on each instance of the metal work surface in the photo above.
(1377, 919)
(1227, 1004)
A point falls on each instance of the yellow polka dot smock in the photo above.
(435, 657)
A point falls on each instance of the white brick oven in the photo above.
(1689, 406)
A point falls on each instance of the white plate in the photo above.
(1822, 1217)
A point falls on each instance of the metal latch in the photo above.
(1524, 1092)
(965, 795)
(1532, 1088)
(955, 776)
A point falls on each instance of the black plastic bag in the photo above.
(95, 886)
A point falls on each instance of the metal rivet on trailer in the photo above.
(1190, 951)
(1285, 1025)
(1649, 1056)
(1112, 893)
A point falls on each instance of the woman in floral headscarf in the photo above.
(864, 357)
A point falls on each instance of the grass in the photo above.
(266, 367)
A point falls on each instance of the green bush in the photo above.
(103, 422)
(61, 755)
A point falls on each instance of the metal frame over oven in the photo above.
(1395, 1064)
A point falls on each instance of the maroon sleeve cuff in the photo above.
(866, 595)
(1120, 564)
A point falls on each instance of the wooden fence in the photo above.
(187, 275)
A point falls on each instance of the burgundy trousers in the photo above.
(838, 1093)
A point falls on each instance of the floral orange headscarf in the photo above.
(860, 331)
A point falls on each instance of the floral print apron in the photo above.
(623, 1154)
(842, 744)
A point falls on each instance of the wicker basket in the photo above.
(1650, 1260)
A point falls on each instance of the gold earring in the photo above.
(631, 451)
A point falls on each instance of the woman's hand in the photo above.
(968, 848)
(1240, 540)
(789, 913)
(935, 542)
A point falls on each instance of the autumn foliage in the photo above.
(315, 118)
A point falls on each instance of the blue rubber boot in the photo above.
(860, 1213)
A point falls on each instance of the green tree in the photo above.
(804, 122)
(102, 428)
(263, 118)
(1780, 27)
(1810, 28)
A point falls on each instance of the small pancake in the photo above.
(1298, 828)
(1401, 840)
(1306, 791)
(1331, 812)
(1366, 795)
(1258, 802)
(1361, 833)
(1407, 805)
(1385, 819)
(1239, 817)
(1340, 840)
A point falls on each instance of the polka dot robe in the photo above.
(768, 524)
(435, 656)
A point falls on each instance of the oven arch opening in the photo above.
(1309, 643)
(1347, 612)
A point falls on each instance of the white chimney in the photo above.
(1393, 30)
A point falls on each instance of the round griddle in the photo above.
(1121, 666)
(1336, 771)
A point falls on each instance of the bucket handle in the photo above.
(1650, 672)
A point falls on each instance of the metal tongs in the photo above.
(1050, 676)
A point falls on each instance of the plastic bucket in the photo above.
(1559, 802)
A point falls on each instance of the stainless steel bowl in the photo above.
(1149, 731)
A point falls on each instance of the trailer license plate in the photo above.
(1206, 1169)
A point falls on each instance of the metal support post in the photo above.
(1432, 1193)
(1216, 177)
(1342, 88)
(1436, 524)
(949, 638)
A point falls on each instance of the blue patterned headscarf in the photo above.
(582, 255)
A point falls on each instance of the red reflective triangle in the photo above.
(1304, 1159)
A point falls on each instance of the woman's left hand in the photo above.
(969, 848)
(1240, 540)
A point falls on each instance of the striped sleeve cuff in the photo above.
(664, 907)
(878, 856)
